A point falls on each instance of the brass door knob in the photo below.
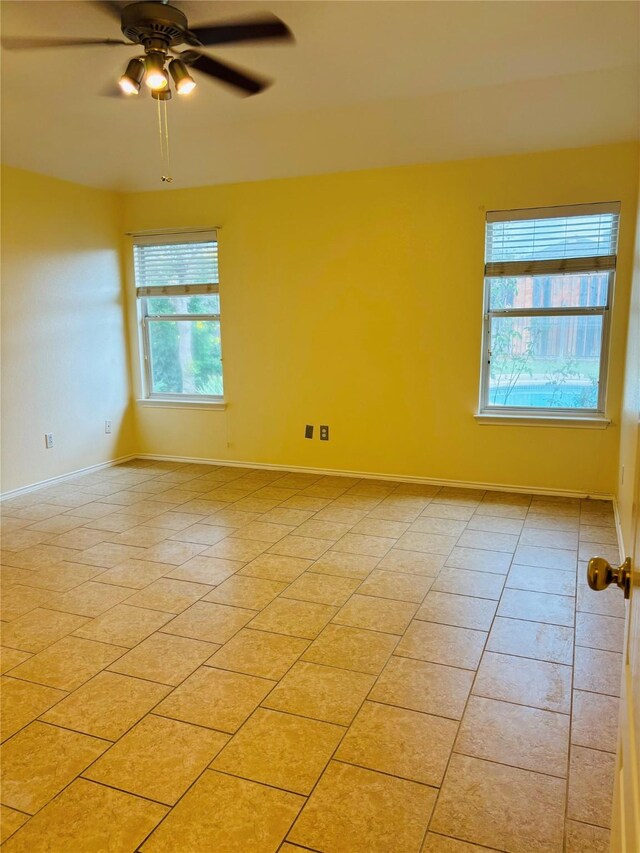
(600, 573)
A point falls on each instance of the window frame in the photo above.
(144, 293)
(576, 266)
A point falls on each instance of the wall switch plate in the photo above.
(308, 431)
(48, 440)
(107, 427)
(324, 432)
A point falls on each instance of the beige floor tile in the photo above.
(445, 844)
(264, 531)
(597, 671)
(516, 735)
(352, 648)
(567, 539)
(279, 515)
(158, 759)
(68, 663)
(215, 698)
(537, 607)
(320, 692)
(303, 619)
(135, 574)
(479, 560)
(586, 550)
(591, 776)
(546, 558)
(89, 599)
(87, 816)
(377, 525)
(205, 570)
(175, 553)
(439, 510)
(256, 817)
(375, 812)
(164, 658)
(501, 807)
(495, 524)
(213, 623)
(412, 563)
(522, 681)
(62, 576)
(10, 658)
(492, 541)
(399, 742)
(21, 702)
(10, 822)
(376, 614)
(301, 546)
(40, 761)
(169, 595)
(281, 750)
(600, 632)
(237, 549)
(583, 838)
(588, 723)
(430, 543)
(292, 848)
(39, 628)
(553, 643)
(276, 567)
(259, 653)
(396, 585)
(201, 534)
(541, 580)
(16, 601)
(321, 588)
(356, 566)
(123, 625)
(81, 538)
(551, 521)
(248, 592)
(440, 526)
(423, 686)
(443, 644)
(591, 533)
(107, 705)
(330, 530)
(343, 514)
(369, 546)
(607, 602)
(142, 536)
(107, 555)
(460, 611)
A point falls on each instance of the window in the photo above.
(176, 279)
(548, 288)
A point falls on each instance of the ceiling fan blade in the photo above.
(111, 7)
(235, 77)
(17, 43)
(258, 29)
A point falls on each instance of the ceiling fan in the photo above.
(159, 27)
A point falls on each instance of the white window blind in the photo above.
(177, 264)
(539, 241)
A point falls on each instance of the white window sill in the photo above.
(571, 422)
(177, 403)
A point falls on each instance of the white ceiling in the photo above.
(369, 83)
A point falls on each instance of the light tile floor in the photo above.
(202, 658)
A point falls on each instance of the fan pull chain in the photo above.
(163, 130)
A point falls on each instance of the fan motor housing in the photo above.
(149, 20)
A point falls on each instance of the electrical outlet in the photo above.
(324, 432)
(107, 427)
(48, 440)
(308, 431)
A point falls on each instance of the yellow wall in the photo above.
(355, 300)
(64, 345)
(629, 426)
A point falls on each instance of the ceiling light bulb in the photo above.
(156, 77)
(132, 77)
(181, 77)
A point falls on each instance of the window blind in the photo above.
(560, 239)
(178, 264)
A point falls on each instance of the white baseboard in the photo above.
(371, 475)
(23, 490)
